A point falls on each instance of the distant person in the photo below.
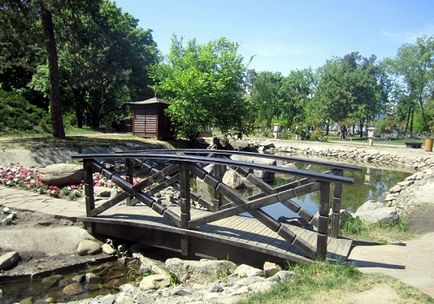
(344, 132)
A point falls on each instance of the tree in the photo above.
(414, 82)
(266, 96)
(350, 88)
(205, 86)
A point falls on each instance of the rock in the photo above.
(216, 287)
(262, 286)
(73, 289)
(391, 197)
(405, 183)
(203, 270)
(234, 180)
(289, 166)
(103, 191)
(154, 281)
(28, 300)
(62, 174)
(88, 247)
(395, 189)
(108, 249)
(270, 269)
(267, 176)
(6, 210)
(380, 215)
(181, 291)
(107, 299)
(128, 288)
(247, 271)
(284, 275)
(8, 260)
(369, 206)
(50, 281)
(147, 265)
(92, 278)
(8, 219)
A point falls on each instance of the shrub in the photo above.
(19, 115)
(317, 135)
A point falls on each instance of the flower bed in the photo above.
(19, 176)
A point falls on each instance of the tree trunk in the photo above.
(50, 42)
(95, 119)
(361, 124)
(79, 109)
(407, 122)
(411, 122)
(424, 124)
(327, 129)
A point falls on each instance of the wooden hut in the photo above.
(150, 119)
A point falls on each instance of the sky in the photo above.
(285, 35)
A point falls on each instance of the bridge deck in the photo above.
(238, 231)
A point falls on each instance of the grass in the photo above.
(382, 232)
(74, 137)
(324, 282)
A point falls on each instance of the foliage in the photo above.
(18, 115)
(353, 225)
(414, 77)
(317, 135)
(205, 86)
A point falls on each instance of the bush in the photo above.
(19, 115)
(317, 135)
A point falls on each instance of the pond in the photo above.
(369, 184)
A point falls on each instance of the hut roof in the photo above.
(152, 100)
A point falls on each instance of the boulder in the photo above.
(8, 260)
(395, 189)
(270, 269)
(62, 174)
(234, 180)
(380, 215)
(108, 249)
(72, 289)
(369, 206)
(203, 270)
(50, 281)
(266, 176)
(88, 247)
(154, 281)
(92, 278)
(246, 271)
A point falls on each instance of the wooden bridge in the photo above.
(220, 228)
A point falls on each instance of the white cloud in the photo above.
(409, 36)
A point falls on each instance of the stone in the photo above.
(405, 183)
(8, 260)
(391, 197)
(108, 299)
(395, 189)
(102, 191)
(289, 166)
(28, 300)
(216, 287)
(154, 281)
(266, 176)
(247, 271)
(284, 275)
(380, 215)
(108, 249)
(369, 206)
(262, 286)
(147, 265)
(50, 281)
(181, 291)
(234, 180)
(8, 219)
(6, 210)
(270, 269)
(202, 270)
(62, 174)
(128, 288)
(87, 247)
(92, 278)
(72, 289)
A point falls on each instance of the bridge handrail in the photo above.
(251, 154)
(221, 161)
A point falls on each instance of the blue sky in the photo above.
(287, 35)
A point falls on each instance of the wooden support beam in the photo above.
(129, 164)
(336, 206)
(88, 186)
(321, 250)
(185, 204)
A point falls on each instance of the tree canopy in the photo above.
(205, 86)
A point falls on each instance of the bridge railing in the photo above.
(181, 166)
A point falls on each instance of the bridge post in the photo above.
(323, 221)
(184, 187)
(129, 164)
(88, 186)
(336, 206)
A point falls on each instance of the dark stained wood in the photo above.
(336, 206)
(88, 187)
(321, 250)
